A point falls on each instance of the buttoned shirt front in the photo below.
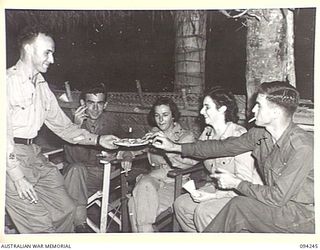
(30, 103)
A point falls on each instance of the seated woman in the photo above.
(154, 192)
(219, 110)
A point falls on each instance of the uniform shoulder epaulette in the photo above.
(299, 139)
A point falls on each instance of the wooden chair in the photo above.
(126, 187)
(165, 221)
(167, 218)
(101, 197)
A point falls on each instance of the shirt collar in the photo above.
(93, 127)
(27, 76)
(228, 132)
(283, 138)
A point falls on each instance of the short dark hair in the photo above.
(99, 89)
(30, 32)
(163, 101)
(223, 97)
(282, 94)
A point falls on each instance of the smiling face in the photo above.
(263, 110)
(95, 105)
(163, 117)
(210, 111)
(41, 53)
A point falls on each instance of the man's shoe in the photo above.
(83, 228)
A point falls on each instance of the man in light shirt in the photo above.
(36, 199)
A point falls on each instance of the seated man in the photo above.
(83, 173)
(284, 155)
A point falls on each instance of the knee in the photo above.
(76, 169)
(69, 206)
(239, 202)
(180, 203)
(145, 184)
(77, 166)
(201, 211)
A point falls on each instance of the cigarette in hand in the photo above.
(252, 119)
(125, 171)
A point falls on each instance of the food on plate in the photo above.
(131, 142)
(148, 136)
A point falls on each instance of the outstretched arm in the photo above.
(160, 141)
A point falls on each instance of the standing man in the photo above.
(83, 172)
(284, 154)
(36, 198)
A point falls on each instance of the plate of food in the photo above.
(128, 142)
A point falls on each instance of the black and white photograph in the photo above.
(160, 121)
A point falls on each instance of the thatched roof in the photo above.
(65, 20)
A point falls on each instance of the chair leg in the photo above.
(124, 205)
(177, 193)
(105, 197)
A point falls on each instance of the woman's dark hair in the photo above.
(282, 94)
(222, 97)
(163, 101)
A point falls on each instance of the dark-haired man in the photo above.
(284, 155)
(83, 172)
(36, 198)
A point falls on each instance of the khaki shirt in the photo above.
(30, 104)
(163, 162)
(241, 165)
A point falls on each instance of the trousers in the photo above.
(195, 217)
(81, 182)
(149, 198)
(243, 214)
(55, 210)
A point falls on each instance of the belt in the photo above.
(23, 141)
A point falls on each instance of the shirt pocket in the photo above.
(21, 111)
(277, 169)
(23, 104)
